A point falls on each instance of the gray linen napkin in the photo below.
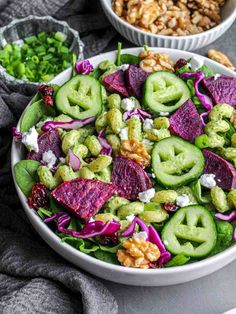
(34, 279)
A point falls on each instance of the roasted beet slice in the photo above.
(222, 89)
(186, 122)
(83, 197)
(130, 178)
(135, 78)
(115, 83)
(224, 171)
(49, 140)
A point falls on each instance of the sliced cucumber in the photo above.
(176, 162)
(164, 92)
(34, 113)
(80, 97)
(191, 231)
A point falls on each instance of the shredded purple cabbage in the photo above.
(226, 217)
(90, 230)
(136, 112)
(71, 125)
(74, 161)
(156, 239)
(106, 146)
(130, 230)
(84, 67)
(205, 100)
(17, 135)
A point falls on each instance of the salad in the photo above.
(133, 162)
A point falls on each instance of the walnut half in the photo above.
(220, 58)
(138, 253)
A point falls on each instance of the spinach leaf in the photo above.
(34, 113)
(178, 260)
(82, 245)
(106, 257)
(127, 58)
(110, 249)
(25, 173)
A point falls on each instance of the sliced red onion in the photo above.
(226, 217)
(71, 125)
(130, 230)
(74, 161)
(234, 235)
(198, 76)
(136, 112)
(203, 116)
(84, 67)
(17, 135)
(106, 147)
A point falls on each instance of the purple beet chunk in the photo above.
(135, 78)
(186, 122)
(115, 83)
(222, 90)
(130, 178)
(83, 197)
(225, 173)
(49, 140)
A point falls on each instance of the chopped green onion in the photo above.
(118, 61)
(202, 141)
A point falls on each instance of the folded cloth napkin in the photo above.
(34, 279)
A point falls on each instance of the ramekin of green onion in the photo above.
(37, 56)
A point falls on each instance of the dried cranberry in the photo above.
(39, 196)
(169, 207)
(47, 93)
(179, 64)
(109, 240)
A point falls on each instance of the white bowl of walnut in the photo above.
(180, 24)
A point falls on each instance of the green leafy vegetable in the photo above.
(178, 260)
(43, 213)
(118, 61)
(197, 191)
(82, 245)
(127, 58)
(25, 173)
(206, 70)
(96, 73)
(106, 257)
(34, 113)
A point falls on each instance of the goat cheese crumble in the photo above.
(130, 218)
(146, 196)
(124, 134)
(183, 200)
(123, 67)
(142, 234)
(147, 124)
(49, 158)
(196, 63)
(127, 104)
(208, 180)
(164, 114)
(216, 76)
(30, 139)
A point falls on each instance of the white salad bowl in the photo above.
(191, 42)
(120, 274)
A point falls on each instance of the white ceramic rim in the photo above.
(131, 27)
(92, 260)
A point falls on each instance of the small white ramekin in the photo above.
(191, 42)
